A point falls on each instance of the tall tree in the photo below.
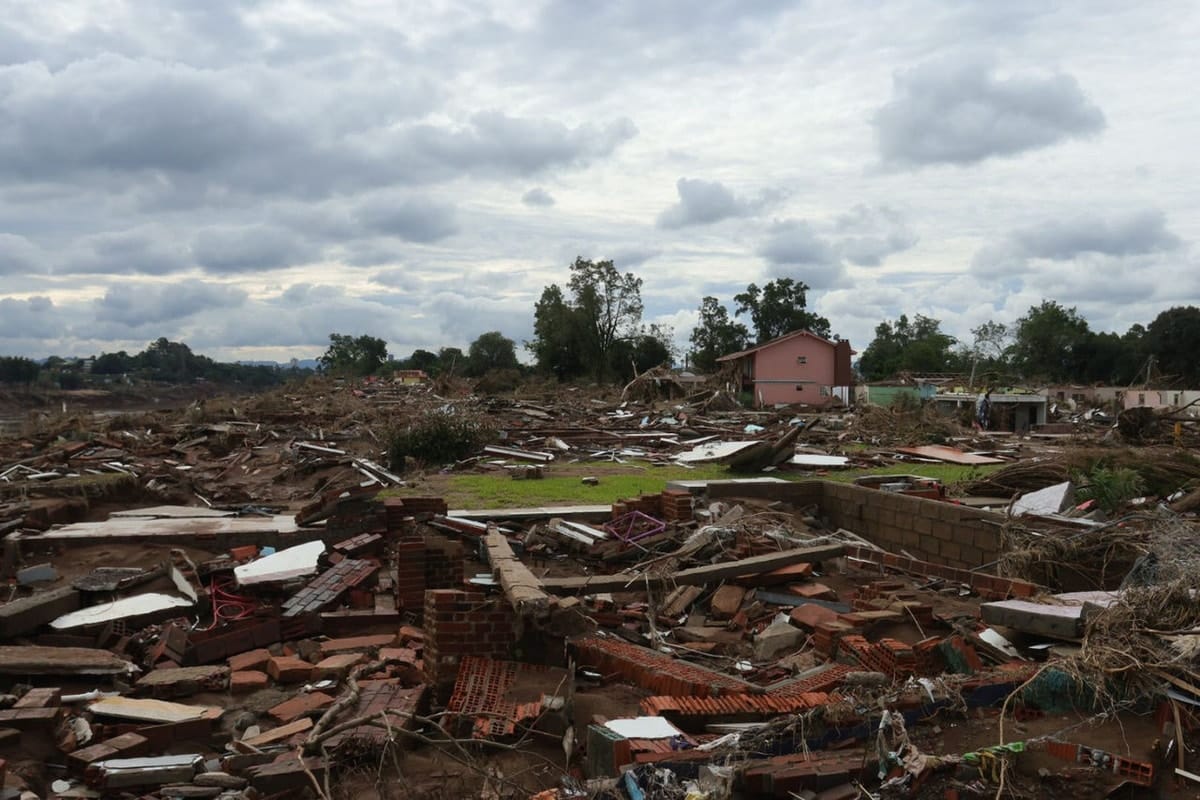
(577, 335)
(715, 335)
(353, 355)
(1173, 339)
(18, 369)
(1049, 341)
(609, 305)
(779, 307)
(491, 350)
(904, 346)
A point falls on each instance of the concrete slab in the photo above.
(1050, 500)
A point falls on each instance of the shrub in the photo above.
(438, 437)
(1111, 488)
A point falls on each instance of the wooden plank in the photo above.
(696, 576)
(949, 454)
(520, 585)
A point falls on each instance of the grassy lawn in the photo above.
(562, 485)
(948, 474)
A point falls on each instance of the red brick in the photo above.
(336, 666)
(287, 669)
(359, 643)
(299, 706)
(247, 681)
(815, 591)
(810, 615)
(253, 660)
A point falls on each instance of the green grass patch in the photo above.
(948, 474)
(498, 490)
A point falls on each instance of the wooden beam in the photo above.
(696, 576)
(521, 586)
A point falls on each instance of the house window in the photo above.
(1141, 399)
(801, 359)
(799, 387)
(1062, 396)
(1078, 398)
(824, 391)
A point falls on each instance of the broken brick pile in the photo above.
(654, 671)
(460, 624)
(486, 701)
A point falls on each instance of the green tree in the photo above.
(609, 307)
(423, 360)
(491, 350)
(450, 360)
(117, 363)
(904, 346)
(579, 334)
(1173, 339)
(18, 370)
(1049, 342)
(353, 355)
(779, 307)
(715, 335)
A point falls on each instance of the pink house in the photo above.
(798, 367)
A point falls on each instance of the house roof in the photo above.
(778, 340)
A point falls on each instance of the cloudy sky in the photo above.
(250, 175)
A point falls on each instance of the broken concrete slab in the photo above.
(1061, 619)
(35, 660)
(150, 710)
(27, 614)
(1050, 500)
(775, 639)
(142, 608)
(286, 564)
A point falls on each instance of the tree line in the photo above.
(162, 361)
(1049, 344)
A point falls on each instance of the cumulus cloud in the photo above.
(34, 317)
(704, 202)
(1118, 235)
(962, 113)
(145, 251)
(796, 242)
(868, 235)
(537, 196)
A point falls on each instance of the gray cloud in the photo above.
(794, 247)
(494, 143)
(537, 196)
(19, 256)
(703, 202)
(1117, 235)
(35, 317)
(144, 251)
(134, 305)
(795, 242)
(871, 234)
(960, 113)
(250, 248)
(407, 219)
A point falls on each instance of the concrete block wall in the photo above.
(931, 530)
(464, 623)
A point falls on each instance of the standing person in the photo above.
(983, 410)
